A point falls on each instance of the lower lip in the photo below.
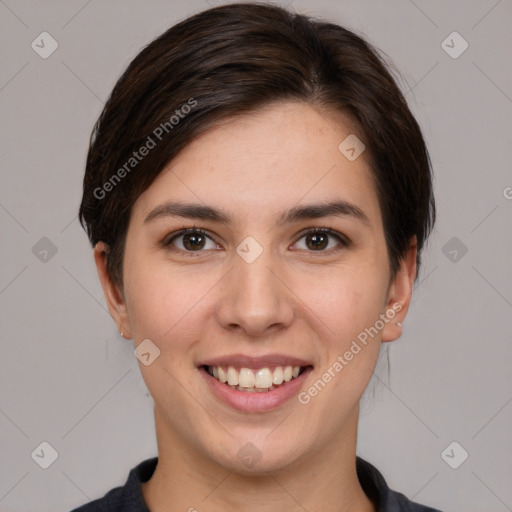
(255, 401)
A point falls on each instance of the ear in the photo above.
(113, 294)
(399, 295)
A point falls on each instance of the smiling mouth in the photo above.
(260, 380)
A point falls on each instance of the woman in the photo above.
(257, 194)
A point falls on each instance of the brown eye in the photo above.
(317, 241)
(193, 241)
(190, 240)
(322, 240)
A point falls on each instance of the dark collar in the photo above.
(372, 482)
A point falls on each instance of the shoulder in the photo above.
(112, 501)
(385, 499)
(400, 503)
(125, 498)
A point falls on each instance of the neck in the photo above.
(185, 479)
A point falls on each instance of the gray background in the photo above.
(67, 378)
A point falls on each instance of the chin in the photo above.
(249, 456)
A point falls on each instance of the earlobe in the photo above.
(399, 297)
(113, 295)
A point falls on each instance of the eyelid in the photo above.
(176, 234)
(343, 240)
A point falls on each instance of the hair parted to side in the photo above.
(229, 61)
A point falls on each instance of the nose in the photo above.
(255, 298)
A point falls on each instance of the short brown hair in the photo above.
(232, 60)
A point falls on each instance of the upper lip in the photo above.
(251, 362)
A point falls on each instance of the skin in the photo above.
(293, 299)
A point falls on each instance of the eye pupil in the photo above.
(193, 240)
(318, 240)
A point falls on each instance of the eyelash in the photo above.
(343, 241)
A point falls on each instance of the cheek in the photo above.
(160, 299)
(349, 303)
(165, 307)
(347, 300)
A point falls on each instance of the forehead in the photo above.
(266, 161)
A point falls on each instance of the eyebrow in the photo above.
(338, 208)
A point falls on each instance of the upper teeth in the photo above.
(263, 378)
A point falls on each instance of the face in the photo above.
(287, 301)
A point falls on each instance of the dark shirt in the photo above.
(129, 498)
